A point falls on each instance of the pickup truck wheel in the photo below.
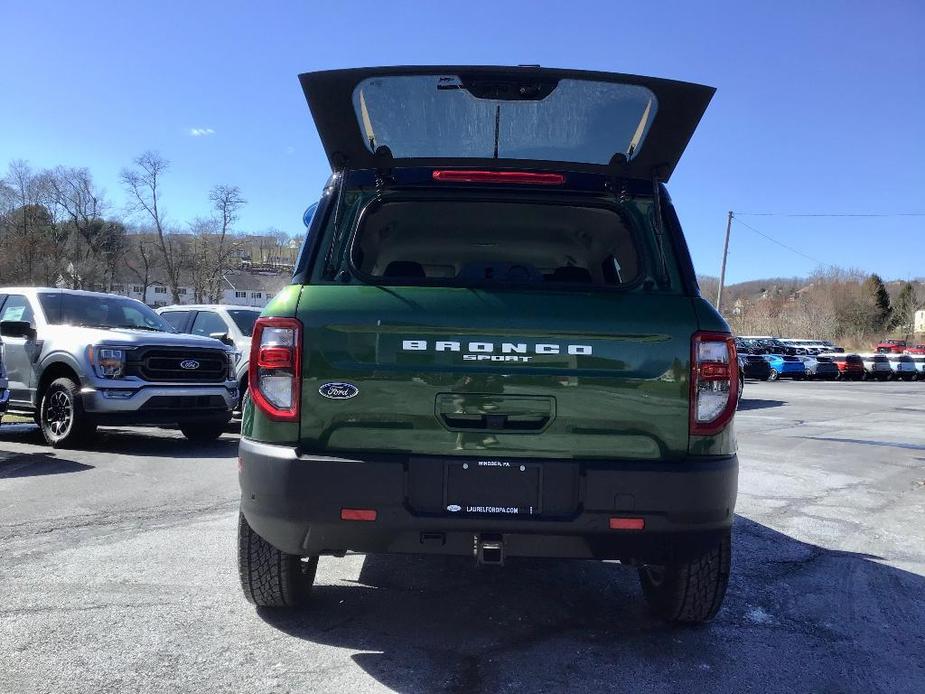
(270, 578)
(689, 593)
(61, 415)
(209, 431)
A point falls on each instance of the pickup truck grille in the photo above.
(160, 364)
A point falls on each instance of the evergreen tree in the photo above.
(883, 312)
(904, 311)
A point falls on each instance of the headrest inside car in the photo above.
(404, 268)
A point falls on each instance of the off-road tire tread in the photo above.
(81, 428)
(269, 577)
(692, 593)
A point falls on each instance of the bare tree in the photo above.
(144, 187)
(203, 253)
(226, 201)
(27, 221)
(72, 191)
(142, 260)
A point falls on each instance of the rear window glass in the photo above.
(244, 320)
(446, 116)
(177, 319)
(469, 243)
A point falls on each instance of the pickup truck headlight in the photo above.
(107, 362)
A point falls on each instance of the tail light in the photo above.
(275, 369)
(714, 382)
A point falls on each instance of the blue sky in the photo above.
(820, 106)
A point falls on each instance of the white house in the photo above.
(920, 321)
(241, 288)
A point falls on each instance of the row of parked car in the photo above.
(772, 358)
(900, 347)
(75, 360)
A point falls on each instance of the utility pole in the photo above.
(722, 272)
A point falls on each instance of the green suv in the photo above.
(494, 344)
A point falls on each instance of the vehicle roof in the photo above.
(31, 291)
(198, 307)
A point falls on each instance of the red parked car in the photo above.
(916, 349)
(891, 346)
(850, 366)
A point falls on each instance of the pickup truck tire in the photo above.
(689, 593)
(269, 577)
(203, 432)
(61, 416)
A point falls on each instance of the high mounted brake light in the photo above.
(275, 369)
(517, 177)
(714, 382)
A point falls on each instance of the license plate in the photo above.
(493, 487)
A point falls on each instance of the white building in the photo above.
(920, 321)
(241, 289)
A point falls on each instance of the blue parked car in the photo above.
(785, 366)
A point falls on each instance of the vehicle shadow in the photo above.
(797, 617)
(758, 404)
(35, 464)
(144, 442)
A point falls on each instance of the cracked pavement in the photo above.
(118, 574)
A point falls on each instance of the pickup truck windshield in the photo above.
(97, 311)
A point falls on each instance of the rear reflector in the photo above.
(357, 514)
(274, 357)
(627, 523)
(519, 177)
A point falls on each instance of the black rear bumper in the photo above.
(295, 501)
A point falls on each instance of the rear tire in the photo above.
(61, 415)
(689, 593)
(773, 376)
(270, 578)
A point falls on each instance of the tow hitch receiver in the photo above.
(489, 549)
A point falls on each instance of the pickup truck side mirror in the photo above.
(17, 328)
(223, 337)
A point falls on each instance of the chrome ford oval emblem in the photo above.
(189, 364)
(454, 508)
(339, 391)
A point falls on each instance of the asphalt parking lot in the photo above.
(118, 575)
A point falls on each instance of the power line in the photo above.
(824, 214)
(773, 240)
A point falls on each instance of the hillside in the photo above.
(847, 306)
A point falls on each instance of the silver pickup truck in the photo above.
(4, 390)
(76, 360)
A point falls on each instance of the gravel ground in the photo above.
(119, 575)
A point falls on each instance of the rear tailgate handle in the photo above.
(494, 422)
(496, 412)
